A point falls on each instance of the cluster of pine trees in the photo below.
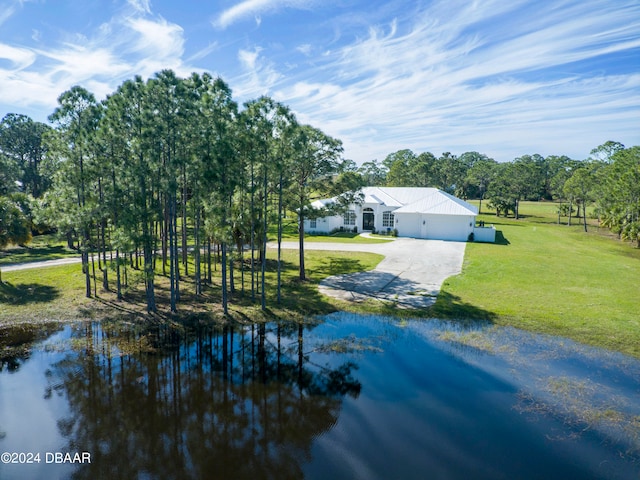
(168, 167)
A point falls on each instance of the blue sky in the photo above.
(505, 78)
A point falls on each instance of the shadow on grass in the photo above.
(451, 307)
(25, 293)
(501, 239)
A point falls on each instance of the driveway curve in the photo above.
(411, 273)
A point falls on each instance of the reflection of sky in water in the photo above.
(436, 399)
(28, 419)
(482, 403)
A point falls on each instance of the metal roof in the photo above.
(420, 200)
(411, 200)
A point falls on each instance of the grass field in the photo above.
(551, 278)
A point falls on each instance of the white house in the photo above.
(413, 212)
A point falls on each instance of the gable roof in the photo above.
(419, 200)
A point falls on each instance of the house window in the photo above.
(349, 217)
(313, 223)
(387, 219)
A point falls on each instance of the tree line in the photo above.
(609, 179)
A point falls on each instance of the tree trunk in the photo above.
(118, 282)
(225, 307)
(85, 267)
(148, 269)
(263, 252)
(279, 299)
(198, 277)
(570, 211)
(93, 270)
(185, 253)
(302, 274)
(209, 260)
(165, 237)
(105, 275)
(172, 252)
(253, 237)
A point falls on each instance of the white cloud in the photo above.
(253, 8)
(124, 46)
(258, 77)
(6, 11)
(20, 58)
(204, 52)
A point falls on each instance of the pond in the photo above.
(343, 396)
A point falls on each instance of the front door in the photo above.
(368, 219)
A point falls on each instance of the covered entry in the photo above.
(368, 219)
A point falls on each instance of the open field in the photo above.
(553, 279)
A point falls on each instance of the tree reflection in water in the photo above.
(205, 402)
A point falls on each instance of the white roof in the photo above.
(418, 200)
(320, 204)
(411, 200)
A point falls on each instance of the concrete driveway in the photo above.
(411, 273)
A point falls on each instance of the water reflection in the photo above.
(230, 402)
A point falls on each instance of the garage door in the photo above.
(445, 227)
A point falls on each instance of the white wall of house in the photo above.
(323, 225)
(380, 221)
(418, 213)
(416, 225)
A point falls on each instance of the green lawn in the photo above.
(54, 293)
(551, 278)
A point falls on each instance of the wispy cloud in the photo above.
(141, 6)
(255, 8)
(505, 78)
(130, 43)
(439, 81)
(6, 11)
(258, 76)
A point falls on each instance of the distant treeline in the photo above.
(609, 178)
